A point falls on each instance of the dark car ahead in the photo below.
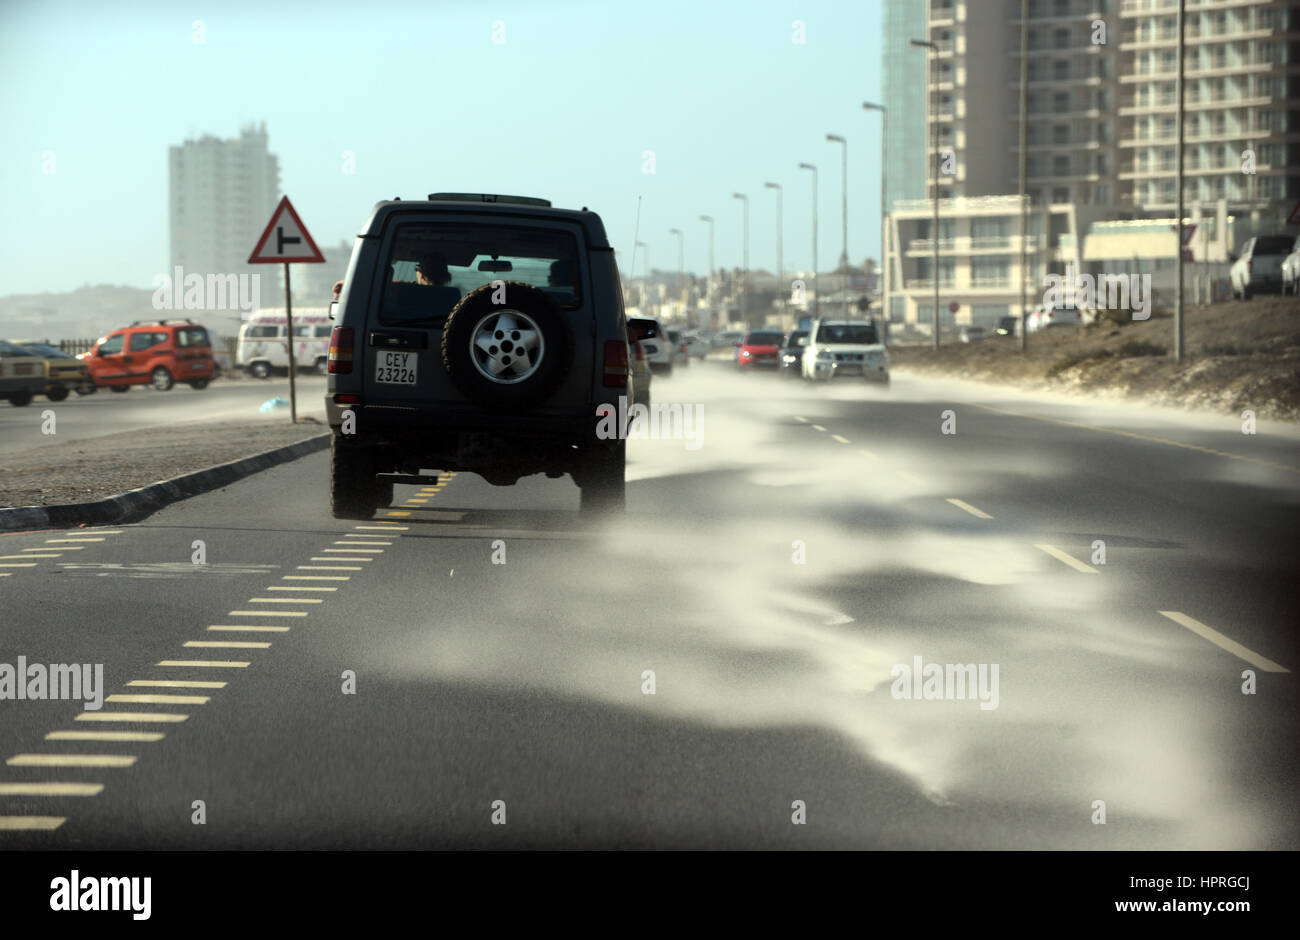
(760, 349)
(792, 354)
(477, 333)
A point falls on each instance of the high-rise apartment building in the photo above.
(903, 88)
(1241, 76)
(1100, 139)
(222, 195)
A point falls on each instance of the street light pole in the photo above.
(780, 267)
(925, 44)
(680, 242)
(884, 137)
(709, 219)
(844, 195)
(744, 268)
(1024, 171)
(816, 286)
(1178, 184)
(645, 279)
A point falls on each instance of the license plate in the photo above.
(396, 368)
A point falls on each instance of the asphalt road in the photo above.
(771, 580)
(107, 412)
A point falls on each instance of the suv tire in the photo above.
(604, 484)
(20, 399)
(353, 489)
(161, 380)
(57, 394)
(529, 315)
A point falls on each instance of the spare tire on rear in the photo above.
(510, 355)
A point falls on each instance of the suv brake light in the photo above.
(341, 341)
(615, 363)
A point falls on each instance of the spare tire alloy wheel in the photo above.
(512, 355)
(161, 379)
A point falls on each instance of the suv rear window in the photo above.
(1272, 245)
(856, 333)
(192, 336)
(764, 339)
(434, 265)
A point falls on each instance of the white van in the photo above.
(262, 343)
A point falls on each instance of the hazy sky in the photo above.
(563, 109)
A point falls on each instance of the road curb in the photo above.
(156, 495)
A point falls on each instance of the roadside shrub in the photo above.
(1140, 347)
(1074, 359)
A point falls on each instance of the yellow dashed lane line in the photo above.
(226, 645)
(50, 789)
(35, 823)
(159, 699)
(145, 717)
(977, 513)
(204, 663)
(268, 613)
(133, 736)
(1067, 559)
(1223, 642)
(71, 760)
(303, 588)
(175, 684)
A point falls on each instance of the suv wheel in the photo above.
(161, 380)
(260, 370)
(57, 394)
(20, 399)
(353, 490)
(199, 384)
(603, 485)
(512, 356)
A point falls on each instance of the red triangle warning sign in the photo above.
(286, 240)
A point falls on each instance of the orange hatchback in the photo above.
(152, 352)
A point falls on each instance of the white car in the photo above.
(1258, 269)
(839, 348)
(696, 345)
(1291, 270)
(1042, 318)
(659, 350)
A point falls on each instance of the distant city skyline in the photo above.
(584, 104)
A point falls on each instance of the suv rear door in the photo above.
(393, 323)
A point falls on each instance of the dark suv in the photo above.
(477, 333)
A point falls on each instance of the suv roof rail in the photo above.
(163, 322)
(489, 197)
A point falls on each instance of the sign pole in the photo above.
(293, 366)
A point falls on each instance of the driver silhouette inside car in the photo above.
(438, 296)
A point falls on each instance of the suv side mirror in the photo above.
(640, 328)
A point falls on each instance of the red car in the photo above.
(760, 349)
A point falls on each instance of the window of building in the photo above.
(1060, 38)
(1061, 166)
(1060, 194)
(1060, 70)
(990, 271)
(1061, 102)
